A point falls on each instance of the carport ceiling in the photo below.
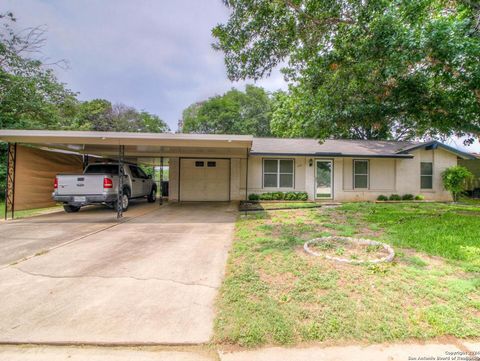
(136, 144)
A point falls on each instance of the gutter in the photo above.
(333, 155)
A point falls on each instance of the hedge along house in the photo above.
(229, 167)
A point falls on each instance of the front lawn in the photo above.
(274, 293)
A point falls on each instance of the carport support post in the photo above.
(121, 156)
(10, 178)
(161, 180)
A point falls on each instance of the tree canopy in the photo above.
(367, 69)
(234, 112)
(101, 115)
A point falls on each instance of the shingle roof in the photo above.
(330, 147)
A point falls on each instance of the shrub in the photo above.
(290, 196)
(381, 197)
(302, 196)
(407, 197)
(419, 197)
(266, 196)
(278, 196)
(395, 197)
(454, 180)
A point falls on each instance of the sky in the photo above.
(154, 55)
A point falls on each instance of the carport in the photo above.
(202, 167)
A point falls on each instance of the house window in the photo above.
(211, 164)
(278, 173)
(360, 173)
(426, 175)
(199, 163)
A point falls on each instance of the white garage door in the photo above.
(204, 179)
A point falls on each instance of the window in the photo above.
(211, 164)
(426, 175)
(134, 171)
(199, 163)
(102, 168)
(278, 173)
(360, 173)
(141, 173)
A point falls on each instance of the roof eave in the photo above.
(332, 155)
(434, 144)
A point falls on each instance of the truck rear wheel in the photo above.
(153, 195)
(71, 209)
(125, 201)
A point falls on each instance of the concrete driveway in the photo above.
(150, 280)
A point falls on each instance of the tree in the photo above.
(234, 112)
(31, 97)
(377, 69)
(101, 115)
(455, 179)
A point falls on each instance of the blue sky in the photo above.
(152, 55)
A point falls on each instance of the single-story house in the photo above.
(230, 167)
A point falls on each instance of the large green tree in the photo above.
(234, 112)
(368, 69)
(101, 115)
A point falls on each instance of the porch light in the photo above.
(310, 162)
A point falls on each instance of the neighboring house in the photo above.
(230, 167)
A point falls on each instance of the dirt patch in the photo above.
(346, 249)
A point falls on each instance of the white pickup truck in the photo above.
(98, 185)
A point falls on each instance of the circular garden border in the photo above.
(361, 241)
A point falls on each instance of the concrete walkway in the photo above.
(150, 280)
(452, 351)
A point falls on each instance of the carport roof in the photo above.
(53, 137)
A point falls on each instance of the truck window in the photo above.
(102, 169)
(142, 173)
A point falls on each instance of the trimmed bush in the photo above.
(290, 196)
(419, 197)
(278, 196)
(407, 197)
(302, 196)
(381, 197)
(395, 197)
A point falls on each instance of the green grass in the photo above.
(274, 293)
(27, 213)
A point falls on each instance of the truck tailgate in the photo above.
(80, 184)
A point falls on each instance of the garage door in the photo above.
(204, 179)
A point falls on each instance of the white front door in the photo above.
(323, 179)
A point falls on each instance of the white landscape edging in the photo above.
(368, 242)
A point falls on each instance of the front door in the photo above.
(323, 179)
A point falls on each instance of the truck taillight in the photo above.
(107, 183)
(55, 183)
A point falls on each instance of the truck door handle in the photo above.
(133, 180)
